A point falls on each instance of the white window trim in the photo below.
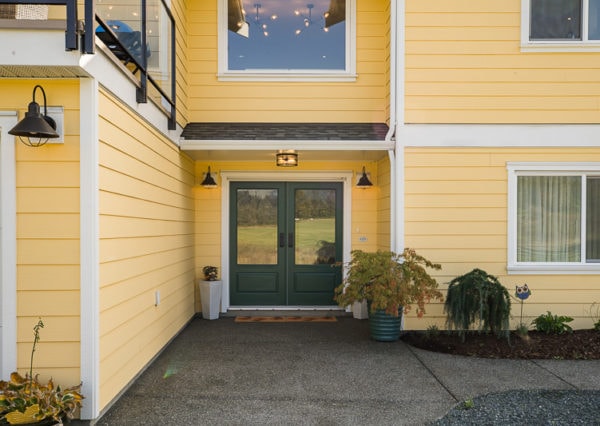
(556, 46)
(289, 75)
(516, 169)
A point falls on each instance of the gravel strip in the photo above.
(527, 407)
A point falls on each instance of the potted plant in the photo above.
(210, 293)
(390, 283)
(25, 400)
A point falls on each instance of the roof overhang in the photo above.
(236, 141)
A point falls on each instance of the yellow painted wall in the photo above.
(365, 202)
(180, 14)
(456, 215)
(464, 65)
(146, 244)
(47, 180)
(365, 100)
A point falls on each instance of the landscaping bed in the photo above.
(580, 344)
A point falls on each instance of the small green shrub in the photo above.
(432, 331)
(552, 324)
(477, 297)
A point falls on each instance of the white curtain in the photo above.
(593, 220)
(549, 219)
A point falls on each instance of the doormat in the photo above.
(284, 319)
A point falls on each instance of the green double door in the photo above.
(286, 243)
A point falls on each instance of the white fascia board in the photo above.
(498, 135)
(37, 47)
(269, 145)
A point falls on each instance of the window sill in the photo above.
(554, 269)
(289, 77)
(560, 46)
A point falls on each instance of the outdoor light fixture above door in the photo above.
(209, 181)
(364, 181)
(35, 129)
(287, 158)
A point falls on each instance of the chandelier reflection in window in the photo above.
(307, 19)
(259, 22)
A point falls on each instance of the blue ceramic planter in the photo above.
(384, 327)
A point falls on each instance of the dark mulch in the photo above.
(580, 344)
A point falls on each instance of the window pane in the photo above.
(315, 226)
(555, 20)
(549, 219)
(594, 20)
(257, 226)
(593, 220)
(286, 35)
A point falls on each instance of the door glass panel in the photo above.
(314, 218)
(257, 226)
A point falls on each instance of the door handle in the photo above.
(291, 239)
(281, 239)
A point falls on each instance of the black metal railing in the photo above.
(82, 35)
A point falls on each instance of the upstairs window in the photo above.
(567, 23)
(283, 39)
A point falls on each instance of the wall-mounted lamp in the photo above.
(35, 129)
(287, 158)
(209, 181)
(364, 181)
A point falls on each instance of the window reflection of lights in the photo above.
(258, 21)
(307, 19)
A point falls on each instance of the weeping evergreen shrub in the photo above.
(477, 297)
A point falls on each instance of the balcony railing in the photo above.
(139, 33)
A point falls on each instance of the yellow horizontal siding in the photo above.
(146, 243)
(36, 226)
(47, 180)
(456, 215)
(464, 65)
(365, 100)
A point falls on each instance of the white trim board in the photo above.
(498, 135)
(8, 246)
(89, 252)
(346, 177)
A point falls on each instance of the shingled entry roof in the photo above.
(285, 131)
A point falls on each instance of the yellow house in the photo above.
(235, 134)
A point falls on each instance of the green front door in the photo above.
(286, 238)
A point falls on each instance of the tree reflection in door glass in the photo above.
(315, 226)
(257, 226)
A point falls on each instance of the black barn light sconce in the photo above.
(35, 129)
(287, 158)
(364, 181)
(209, 181)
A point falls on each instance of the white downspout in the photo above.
(390, 134)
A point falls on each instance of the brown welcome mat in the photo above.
(284, 319)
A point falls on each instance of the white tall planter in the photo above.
(360, 310)
(210, 295)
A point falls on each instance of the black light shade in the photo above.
(364, 181)
(287, 158)
(35, 129)
(209, 181)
